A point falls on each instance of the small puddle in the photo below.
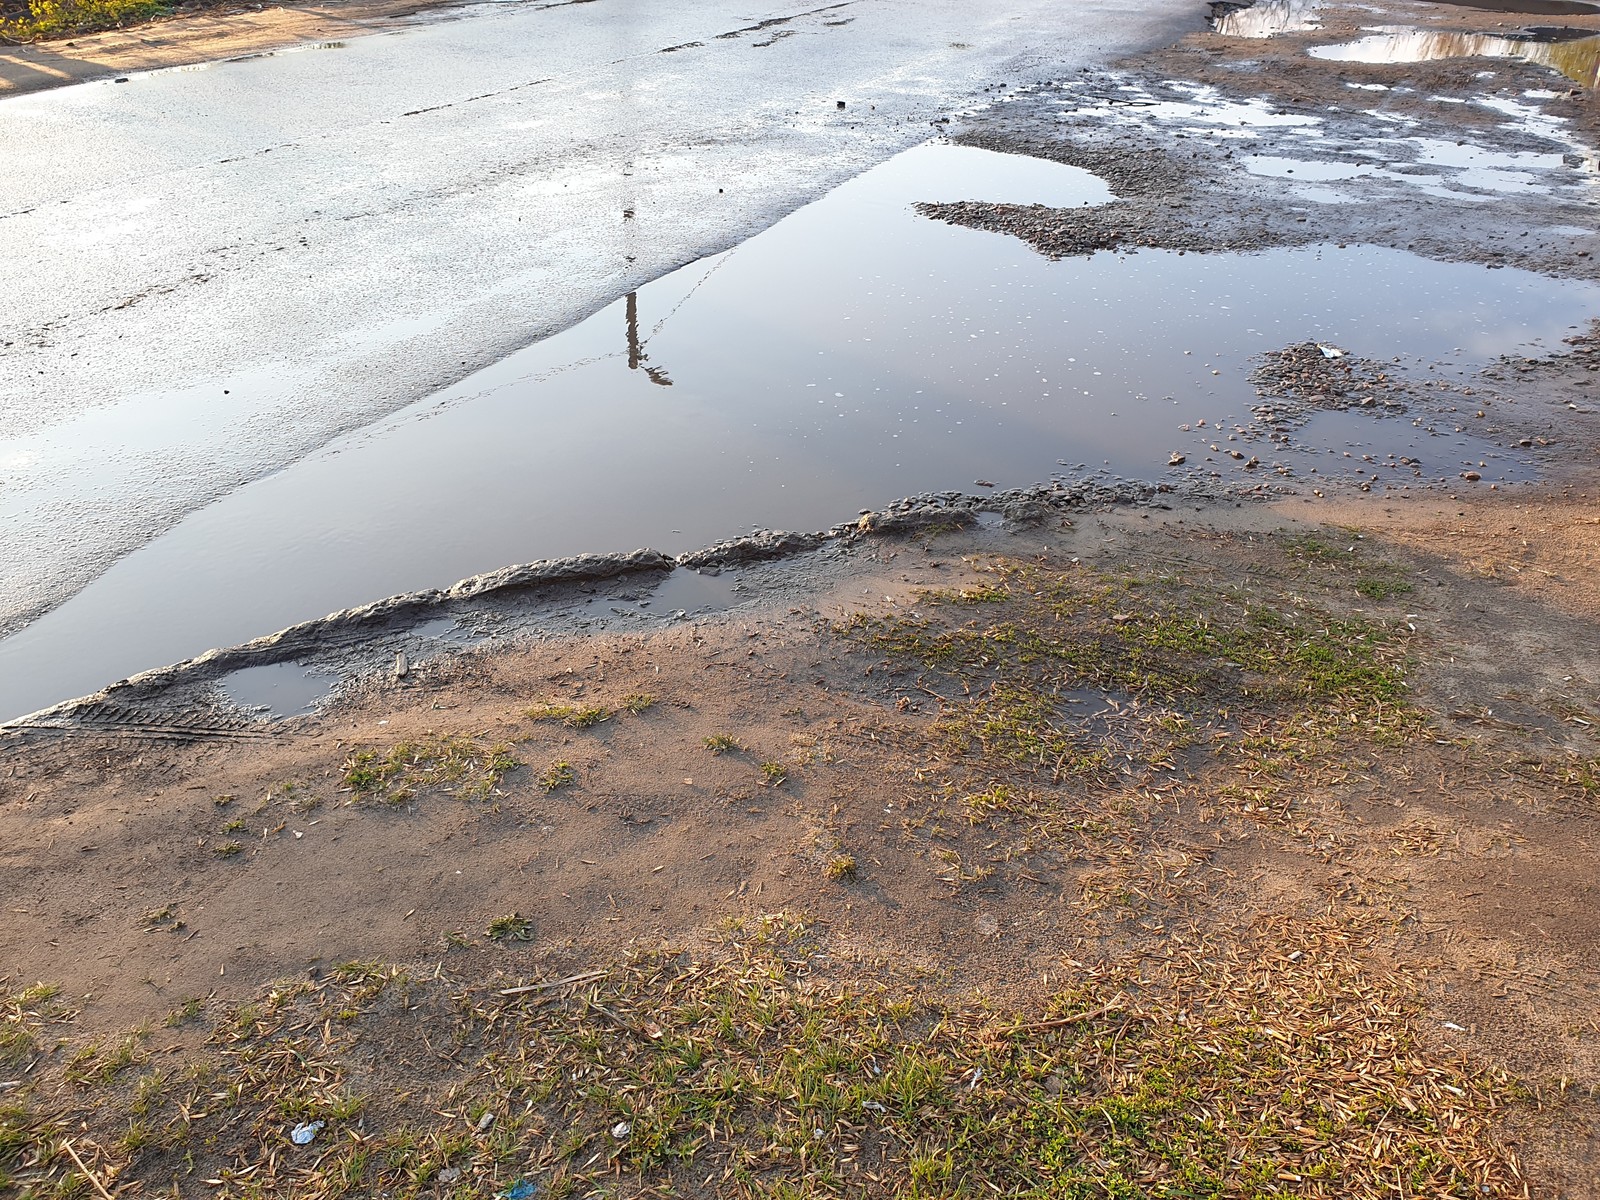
(443, 631)
(1305, 168)
(279, 689)
(853, 353)
(1268, 18)
(682, 593)
(1208, 112)
(1575, 53)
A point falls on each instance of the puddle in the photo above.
(1575, 53)
(281, 689)
(853, 353)
(1532, 8)
(444, 630)
(682, 593)
(282, 50)
(1206, 112)
(1303, 168)
(1269, 17)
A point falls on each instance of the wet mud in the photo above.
(228, 692)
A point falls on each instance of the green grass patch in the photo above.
(842, 868)
(1383, 587)
(573, 716)
(452, 764)
(512, 928)
(1189, 648)
(558, 775)
(1374, 578)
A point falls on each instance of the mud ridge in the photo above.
(142, 704)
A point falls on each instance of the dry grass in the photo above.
(1275, 1063)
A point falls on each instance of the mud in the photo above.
(542, 599)
(1191, 136)
(1299, 379)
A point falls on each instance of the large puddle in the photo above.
(853, 353)
(1532, 8)
(1576, 54)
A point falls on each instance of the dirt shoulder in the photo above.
(1108, 765)
(185, 39)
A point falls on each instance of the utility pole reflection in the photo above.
(636, 355)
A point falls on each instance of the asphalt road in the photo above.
(210, 272)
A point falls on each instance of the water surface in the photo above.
(851, 354)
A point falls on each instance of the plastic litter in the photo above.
(302, 1134)
(621, 1130)
(1331, 351)
(520, 1190)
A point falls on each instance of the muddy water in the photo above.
(853, 353)
(1572, 52)
(280, 689)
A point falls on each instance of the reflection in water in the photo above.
(1269, 17)
(1576, 58)
(282, 689)
(1534, 8)
(636, 355)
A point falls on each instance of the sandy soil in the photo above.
(844, 751)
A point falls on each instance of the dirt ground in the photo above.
(1170, 848)
(787, 761)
